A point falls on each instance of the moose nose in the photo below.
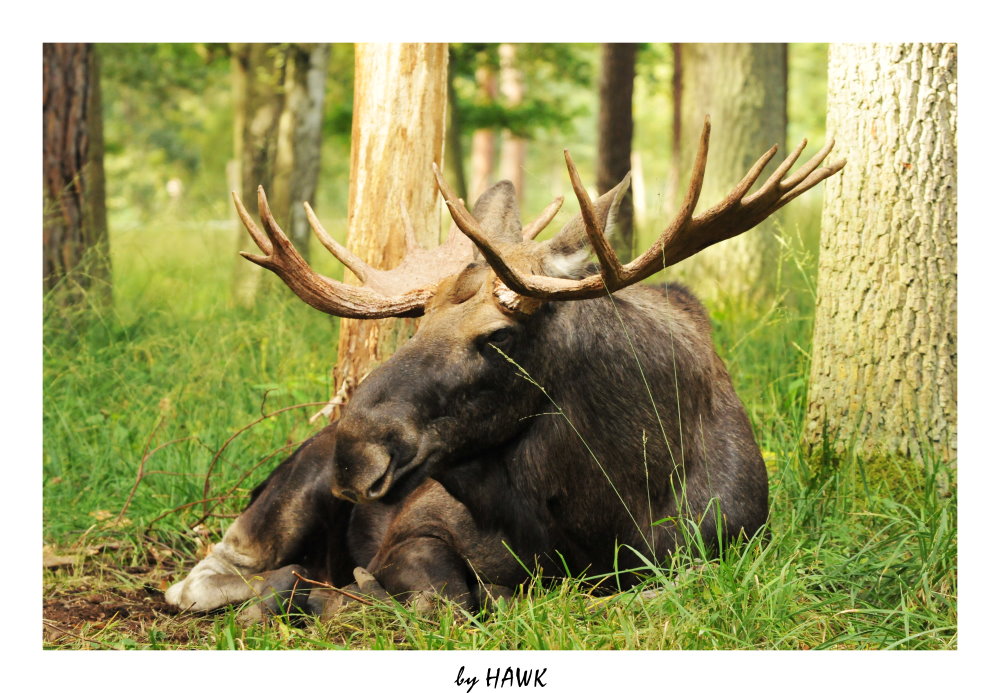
(345, 493)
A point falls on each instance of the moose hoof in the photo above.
(278, 591)
(364, 590)
(424, 603)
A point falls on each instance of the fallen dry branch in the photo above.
(211, 466)
(142, 473)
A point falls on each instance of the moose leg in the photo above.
(421, 566)
(429, 545)
(292, 525)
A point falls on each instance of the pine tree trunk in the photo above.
(512, 147)
(743, 87)
(400, 106)
(258, 75)
(483, 139)
(884, 359)
(614, 134)
(75, 227)
(300, 130)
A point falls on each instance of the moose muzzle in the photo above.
(375, 448)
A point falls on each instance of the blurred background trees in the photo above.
(614, 133)
(744, 87)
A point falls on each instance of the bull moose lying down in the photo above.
(547, 416)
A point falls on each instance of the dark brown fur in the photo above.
(571, 439)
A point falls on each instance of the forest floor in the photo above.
(87, 593)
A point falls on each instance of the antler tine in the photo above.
(809, 181)
(808, 167)
(358, 267)
(775, 179)
(742, 187)
(611, 266)
(686, 234)
(251, 226)
(322, 293)
(531, 231)
(697, 176)
(468, 225)
(646, 265)
(271, 228)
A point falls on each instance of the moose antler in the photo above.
(401, 292)
(683, 237)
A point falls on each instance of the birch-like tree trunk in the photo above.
(300, 135)
(258, 76)
(400, 107)
(454, 152)
(743, 87)
(483, 139)
(884, 359)
(512, 147)
(614, 134)
(74, 221)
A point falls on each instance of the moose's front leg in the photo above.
(234, 572)
(292, 525)
(428, 546)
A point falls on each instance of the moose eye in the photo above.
(500, 337)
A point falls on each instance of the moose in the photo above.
(549, 415)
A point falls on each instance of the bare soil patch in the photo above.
(92, 604)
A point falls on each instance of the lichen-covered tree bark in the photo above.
(74, 219)
(743, 87)
(400, 106)
(614, 134)
(884, 360)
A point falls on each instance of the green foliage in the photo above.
(807, 92)
(550, 71)
(167, 115)
(339, 92)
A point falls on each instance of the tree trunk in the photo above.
(454, 151)
(75, 226)
(743, 87)
(512, 147)
(614, 134)
(400, 106)
(258, 75)
(884, 359)
(300, 131)
(483, 139)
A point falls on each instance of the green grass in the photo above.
(862, 553)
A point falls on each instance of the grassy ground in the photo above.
(142, 404)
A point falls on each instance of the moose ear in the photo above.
(567, 254)
(496, 210)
